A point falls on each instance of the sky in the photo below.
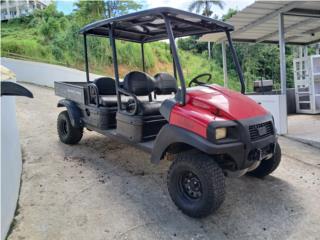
(66, 6)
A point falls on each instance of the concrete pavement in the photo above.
(101, 189)
(304, 128)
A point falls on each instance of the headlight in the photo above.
(221, 133)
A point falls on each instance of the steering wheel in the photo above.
(197, 82)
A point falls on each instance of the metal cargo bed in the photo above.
(75, 91)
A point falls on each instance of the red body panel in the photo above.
(213, 103)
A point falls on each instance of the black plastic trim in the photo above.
(14, 89)
(166, 108)
(73, 111)
(237, 148)
(170, 134)
(230, 125)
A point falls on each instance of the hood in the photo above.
(224, 102)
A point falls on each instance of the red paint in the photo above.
(213, 103)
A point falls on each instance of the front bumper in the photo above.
(244, 150)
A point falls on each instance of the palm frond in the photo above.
(193, 6)
(197, 6)
(205, 6)
(218, 3)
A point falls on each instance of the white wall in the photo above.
(42, 73)
(11, 163)
(277, 106)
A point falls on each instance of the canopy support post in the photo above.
(174, 69)
(224, 64)
(174, 65)
(142, 57)
(86, 56)
(236, 62)
(282, 54)
(115, 64)
(182, 97)
(283, 77)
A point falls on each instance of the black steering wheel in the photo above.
(197, 82)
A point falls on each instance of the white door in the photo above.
(303, 85)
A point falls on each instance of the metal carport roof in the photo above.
(259, 23)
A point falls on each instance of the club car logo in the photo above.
(262, 130)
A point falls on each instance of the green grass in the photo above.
(67, 49)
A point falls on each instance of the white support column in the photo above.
(282, 44)
(283, 78)
(209, 50)
(17, 9)
(28, 7)
(305, 51)
(8, 10)
(300, 52)
(224, 64)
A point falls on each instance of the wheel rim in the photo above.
(190, 186)
(64, 128)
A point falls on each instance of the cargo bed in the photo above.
(74, 91)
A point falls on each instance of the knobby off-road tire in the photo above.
(267, 166)
(67, 133)
(207, 181)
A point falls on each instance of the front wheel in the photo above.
(196, 184)
(67, 133)
(269, 165)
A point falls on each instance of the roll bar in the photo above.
(236, 62)
(181, 97)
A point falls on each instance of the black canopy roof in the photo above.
(149, 25)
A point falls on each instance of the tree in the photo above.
(88, 11)
(229, 14)
(120, 7)
(48, 21)
(205, 6)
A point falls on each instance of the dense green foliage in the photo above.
(258, 61)
(49, 36)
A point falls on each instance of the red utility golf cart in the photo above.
(208, 131)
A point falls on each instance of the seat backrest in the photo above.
(165, 84)
(106, 85)
(138, 83)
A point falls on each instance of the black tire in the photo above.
(267, 166)
(209, 192)
(67, 133)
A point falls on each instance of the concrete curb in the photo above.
(305, 141)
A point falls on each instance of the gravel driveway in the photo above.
(101, 189)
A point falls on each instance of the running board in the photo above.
(146, 146)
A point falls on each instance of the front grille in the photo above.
(261, 130)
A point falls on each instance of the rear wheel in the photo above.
(67, 133)
(196, 184)
(267, 166)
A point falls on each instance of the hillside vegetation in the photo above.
(49, 36)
